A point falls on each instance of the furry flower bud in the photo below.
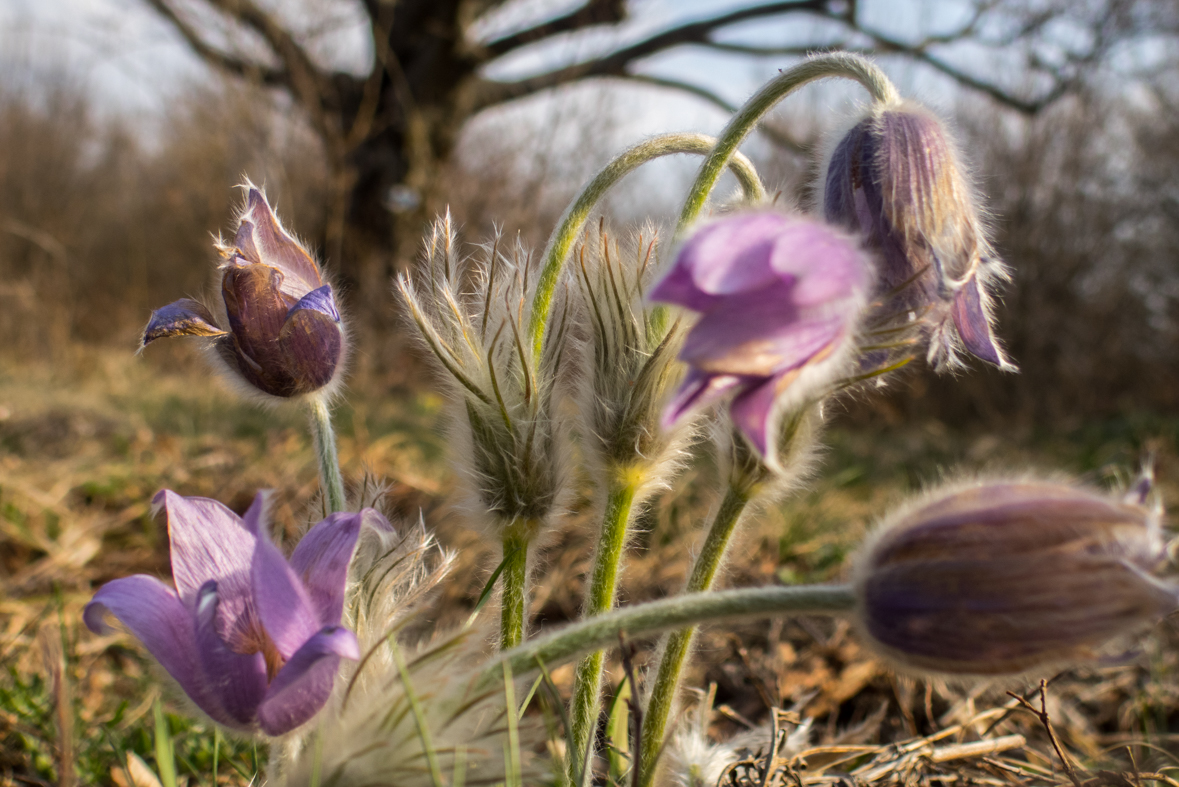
(779, 297)
(999, 578)
(895, 179)
(281, 331)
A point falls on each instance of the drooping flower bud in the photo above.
(895, 179)
(779, 297)
(998, 578)
(282, 333)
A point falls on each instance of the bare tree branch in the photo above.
(886, 45)
(776, 135)
(267, 75)
(595, 12)
(489, 93)
(310, 86)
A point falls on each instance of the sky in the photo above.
(133, 59)
(133, 62)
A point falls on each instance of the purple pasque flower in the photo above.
(895, 179)
(779, 298)
(281, 333)
(1002, 577)
(252, 638)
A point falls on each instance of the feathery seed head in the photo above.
(509, 446)
(629, 369)
(372, 726)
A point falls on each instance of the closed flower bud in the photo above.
(1000, 578)
(895, 179)
(779, 298)
(281, 331)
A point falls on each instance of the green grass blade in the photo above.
(165, 749)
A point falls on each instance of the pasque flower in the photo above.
(998, 578)
(779, 297)
(895, 179)
(282, 331)
(253, 639)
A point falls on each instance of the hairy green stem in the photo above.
(675, 652)
(325, 451)
(514, 581)
(587, 687)
(571, 223)
(841, 64)
(666, 614)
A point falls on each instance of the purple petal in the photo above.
(320, 300)
(311, 346)
(185, 317)
(751, 410)
(284, 606)
(237, 680)
(243, 241)
(304, 684)
(922, 189)
(762, 334)
(698, 390)
(208, 542)
(321, 559)
(825, 266)
(257, 309)
(846, 171)
(974, 328)
(727, 256)
(276, 247)
(155, 615)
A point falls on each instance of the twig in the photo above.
(627, 650)
(1042, 715)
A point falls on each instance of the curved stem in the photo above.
(325, 451)
(739, 127)
(845, 65)
(587, 687)
(667, 681)
(578, 212)
(514, 581)
(672, 613)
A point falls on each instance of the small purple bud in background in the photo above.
(1000, 578)
(779, 298)
(282, 332)
(895, 179)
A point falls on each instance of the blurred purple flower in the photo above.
(895, 179)
(283, 333)
(252, 638)
(999, 578)
(779, 298)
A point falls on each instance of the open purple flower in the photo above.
(282, 331)
(895, 179)
(779, 298)
(252, 638)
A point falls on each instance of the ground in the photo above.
(87, 438)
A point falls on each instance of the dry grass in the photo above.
(85, 443)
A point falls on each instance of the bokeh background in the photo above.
(125, 126)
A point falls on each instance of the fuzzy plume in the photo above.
(752, 757)
(629, 369)
(470, 312)
(403, 710)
